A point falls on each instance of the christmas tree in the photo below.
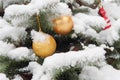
(59, 40)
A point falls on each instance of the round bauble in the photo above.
(63, 25)
(44, 48)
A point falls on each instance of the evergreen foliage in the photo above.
(64, 42)
(11, 67)
(65, 73)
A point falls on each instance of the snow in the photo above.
(88, 25)
(91, 21)
(33, 7)
(79, 25)
(116, 25)
(91, 32)
(73, 58)
(111, 10)
(108, 36)
(39, 4)
(17, 77)
(92, 25)
(106, 72)
(3, 77)
(60, 9)
(23, 9)
(84, 59)
(38, 36)
(37, 70)
(5, 48)
(91, 73)
(56, 61)
(19, 53)
(16, 35)
(20, 15)
(13, 32)
(110, 71)
(6, 3)
(3, 23)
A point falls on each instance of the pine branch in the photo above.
(11, 67)
(4, 63)
(113, 57)
(94, 5)
(71, 73)
(46, 25)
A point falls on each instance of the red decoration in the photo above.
(102, 13)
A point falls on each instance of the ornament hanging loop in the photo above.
(38, 21)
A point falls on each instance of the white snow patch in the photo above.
(17, 77)
(111, 9)
(61, 9)
(91, 32)
(79, 25)
(33, 7)
(46, 77)
(19, 53)
(5, 48)
(14, 33)
(3, 77)
(73, 58)
(3, 23)
(108, 36)
(36, 69)
(106, 72)
(38, 36)
(92, 21)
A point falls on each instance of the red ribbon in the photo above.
(102, 13)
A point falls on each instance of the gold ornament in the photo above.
(44, 48)
(63, 25)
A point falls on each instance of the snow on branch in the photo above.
(19, 53)
(30, 9)
(92, 56)
(92, 21)
(5, 48)
(20, 15)
(73, 58)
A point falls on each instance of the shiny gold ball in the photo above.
(44, 48)
(63, 25)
